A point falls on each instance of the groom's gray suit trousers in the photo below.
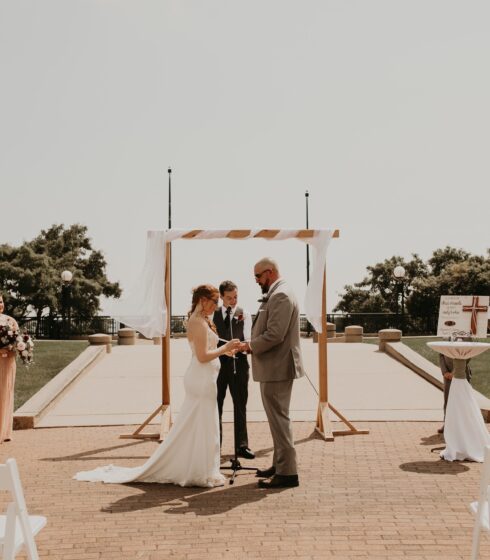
(276, 397)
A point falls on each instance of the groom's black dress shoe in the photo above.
(266, 473)
(280, 481)
(246, 453)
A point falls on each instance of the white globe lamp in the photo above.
(399, 272)
(67, 276)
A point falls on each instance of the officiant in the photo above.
(233, 321)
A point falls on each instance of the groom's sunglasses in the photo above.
(259, 274)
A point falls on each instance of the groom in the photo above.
(276, 362)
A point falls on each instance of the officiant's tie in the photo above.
(228, 321)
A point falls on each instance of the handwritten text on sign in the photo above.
(463, 313)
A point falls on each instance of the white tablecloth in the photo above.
(464, 430)
(459, 350)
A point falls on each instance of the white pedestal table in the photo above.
(465, 432)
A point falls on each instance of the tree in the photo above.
(448, 271)
(30, 274)
(378, 292)
(27, 280)
(470, 276)
(442, 258)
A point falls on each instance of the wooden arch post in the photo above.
(323, 425)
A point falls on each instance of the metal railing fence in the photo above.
(58, 328)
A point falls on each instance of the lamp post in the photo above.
(66, 277)
(169, 198)
(399, 275)
(307, 196)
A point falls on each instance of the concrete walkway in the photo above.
(364, 384)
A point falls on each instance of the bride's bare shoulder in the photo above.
(195, 323)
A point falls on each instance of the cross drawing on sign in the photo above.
(475, 308)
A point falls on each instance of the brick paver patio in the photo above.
(383, 495)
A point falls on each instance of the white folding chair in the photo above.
(481, 508)
(17, 528)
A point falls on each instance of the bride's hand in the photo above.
(231, 347)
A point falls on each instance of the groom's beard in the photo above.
(265, 288)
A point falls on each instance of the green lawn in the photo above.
(50, 357)
(480, 366)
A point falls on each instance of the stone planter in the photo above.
(330, 332)
(126, 337)
(388, 335)
(101, 339)
(353, 333)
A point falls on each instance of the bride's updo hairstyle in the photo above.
(202, 291)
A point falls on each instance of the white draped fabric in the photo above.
(465, 432)
(145, 309)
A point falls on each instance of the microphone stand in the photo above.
(235, 463)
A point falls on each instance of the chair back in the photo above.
(10, 481)
(481, 508)
(484, 494)
(18, 528)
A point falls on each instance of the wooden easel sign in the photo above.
(463, 314)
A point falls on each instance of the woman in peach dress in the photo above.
(7, 381)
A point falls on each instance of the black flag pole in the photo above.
(307, 195)
(170, 261)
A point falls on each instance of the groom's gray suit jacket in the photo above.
(275, 344)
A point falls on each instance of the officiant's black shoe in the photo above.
(280, 481)
(246, 453)
(266, 473)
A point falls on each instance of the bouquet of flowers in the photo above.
(12, 340)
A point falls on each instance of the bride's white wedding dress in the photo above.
(190, 455)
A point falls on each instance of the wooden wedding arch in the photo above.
(323, 423)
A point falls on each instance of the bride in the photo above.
(190, 455)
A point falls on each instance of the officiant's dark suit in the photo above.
(233, 321)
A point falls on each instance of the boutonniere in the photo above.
(239, 319)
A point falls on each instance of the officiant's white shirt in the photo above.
(247, 321)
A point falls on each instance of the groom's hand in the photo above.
(246, 348)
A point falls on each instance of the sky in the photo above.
(380, 109)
